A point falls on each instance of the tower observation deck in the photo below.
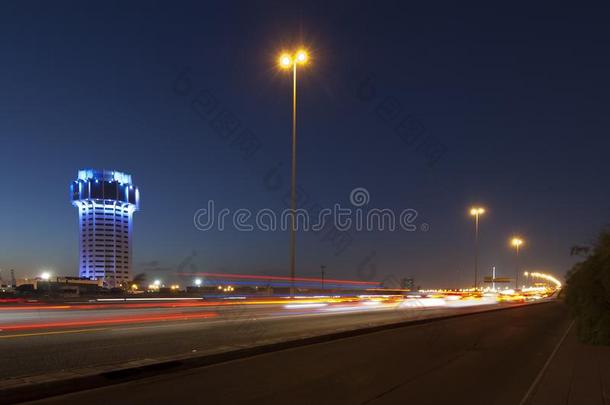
(106, 201)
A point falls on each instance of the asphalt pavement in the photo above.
(487, 358)
(40, 351)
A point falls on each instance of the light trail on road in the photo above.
(102, 333)
(148, 310)
(109, 321)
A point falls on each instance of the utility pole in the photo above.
(322, 268)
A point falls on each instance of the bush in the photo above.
(588, 293)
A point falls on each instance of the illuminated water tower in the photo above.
(106, 201)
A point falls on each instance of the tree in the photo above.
(140, 280)
(578, 250)
(588, 292)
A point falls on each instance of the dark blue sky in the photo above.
(516, 98)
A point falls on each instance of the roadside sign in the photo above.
(489, 279)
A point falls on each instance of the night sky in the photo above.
(511, 105)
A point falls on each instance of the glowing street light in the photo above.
(302, 56)
(547, 277)
(517, 242)
(157, 283)
(198, 282)
(287, 61)
(476, 212)
(45, 275)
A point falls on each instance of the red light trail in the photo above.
(110, 321)
(256, 277)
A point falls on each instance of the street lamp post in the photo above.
(288, 61)
(476, 212)
(517, 242)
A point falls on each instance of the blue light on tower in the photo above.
(106, 201)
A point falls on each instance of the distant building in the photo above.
(37, 281)
(106, 201)
(58, 286)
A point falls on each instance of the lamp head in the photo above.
(302, 57)
(477, 211)
(516, 242)
(285, 61)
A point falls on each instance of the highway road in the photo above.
(52, 338)
(487, 358)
